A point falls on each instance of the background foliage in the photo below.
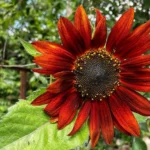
(35, 20)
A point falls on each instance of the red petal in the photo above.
(123, 115)
(82, 116)
(119, 127)
(135, 101)
(142, 47)
(83, 25)
(65, 75)
(45, 98)
(136, 78)
(138, 61)
(54, 70)
(52, 59)
(138, 85)
(52, 49)
(45, 71)
(121, 30)
(54, 104)
(55, 111)
(135, 72)
(54, 65)
(136, 43)
(69, 120)
(94, 124)
(106, 122)
(68, 110)
(99, 38)
(59, 86)
(70, 37)
(99, 17)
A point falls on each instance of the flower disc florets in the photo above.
(96, 74)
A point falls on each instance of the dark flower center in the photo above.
(96, 74)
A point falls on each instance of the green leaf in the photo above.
(138, 144)
(29, 48)
(5, 5)
(27, 127)
(144, 126)
(140, 118)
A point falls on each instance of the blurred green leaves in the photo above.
(140, 118)
(146, 4)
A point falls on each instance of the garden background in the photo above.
(32, 20)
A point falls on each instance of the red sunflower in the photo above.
(101, 81)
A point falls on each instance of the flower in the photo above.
(96, 80)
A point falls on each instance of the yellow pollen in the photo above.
(114, 65)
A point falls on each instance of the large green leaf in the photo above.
(138, 144)
(29, 48)
(27, 127)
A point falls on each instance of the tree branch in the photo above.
(18, 67)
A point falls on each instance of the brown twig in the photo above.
(18, 67)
